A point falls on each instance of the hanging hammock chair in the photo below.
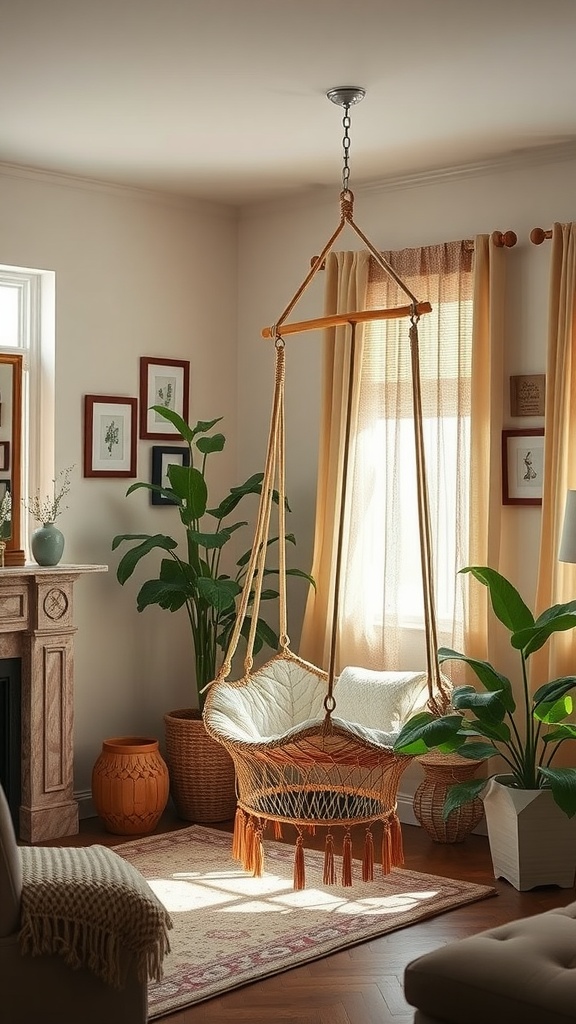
(311, 749)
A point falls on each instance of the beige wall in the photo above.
(143, 275)
(135, 275)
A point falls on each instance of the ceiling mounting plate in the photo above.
(346, 95)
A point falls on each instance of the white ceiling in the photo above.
(226, 99)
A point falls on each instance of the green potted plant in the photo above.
(487, 722)
(192, 576)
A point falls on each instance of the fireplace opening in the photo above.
(11, 733)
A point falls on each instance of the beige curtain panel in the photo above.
(557, 580)
(378, 571)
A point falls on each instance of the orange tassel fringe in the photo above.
(397, 847)
(257, 853)
(386, 849)
(299, 869)
(277, 830)
(329, 877)
(248, 861)
(368, 859)
(347, 860)
(238, 835)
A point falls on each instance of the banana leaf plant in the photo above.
(191, 576)
(487, 721)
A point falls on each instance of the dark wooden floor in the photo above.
(362, 985)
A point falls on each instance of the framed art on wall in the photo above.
(4, 456)
(163, 382)
(110, 426)
(522, 466)
(162, 457)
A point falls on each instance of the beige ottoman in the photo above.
(519, 973)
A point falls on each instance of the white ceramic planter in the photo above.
(532, 842)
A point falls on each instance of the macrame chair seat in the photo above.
(290, 769)
(312, 749)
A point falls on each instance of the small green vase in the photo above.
(47, 543)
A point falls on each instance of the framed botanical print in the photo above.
(162, 457)
(522, 466)
(110, 427)
(163, 382)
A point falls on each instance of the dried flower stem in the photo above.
(48, 509)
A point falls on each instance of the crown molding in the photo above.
(133, 192)
(530, 157)
(522, 158)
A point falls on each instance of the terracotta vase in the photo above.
(202, 776)
(130, 785)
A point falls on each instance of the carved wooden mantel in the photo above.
(37, 626)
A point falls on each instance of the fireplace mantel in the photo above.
(37, 626)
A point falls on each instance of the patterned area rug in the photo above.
(231, 929)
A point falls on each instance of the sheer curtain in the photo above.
(557, 580)
(381, 606)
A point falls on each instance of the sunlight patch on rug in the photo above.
(231, 929)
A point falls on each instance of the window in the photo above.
(383, 591)
(27, 326)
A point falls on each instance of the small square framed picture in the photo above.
(110, 427)
(4, 456)
(162, 457)
(164, 382)
(522, 466)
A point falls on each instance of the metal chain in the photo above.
(346, 122)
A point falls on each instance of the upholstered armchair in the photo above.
(44, 987)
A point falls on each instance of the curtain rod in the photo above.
(538, 235)
(500, 239)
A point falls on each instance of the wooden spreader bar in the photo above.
(338, 319)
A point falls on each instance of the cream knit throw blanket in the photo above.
(89, 905)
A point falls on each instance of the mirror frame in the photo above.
(14, 553)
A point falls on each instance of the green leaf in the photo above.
(176, 421)
(130, 560)
(562, 782)
(552, 702)
(220, 594)
(190, 486)
(488, 707)
(214, 443)
(477, 751)
(560, 733)
(203, 426)
(497, 731)
(506, 601)
(170, 596)
(486, 673)
(209, 541)
(138, 486)
(461, 793)
(557, 619)
(425, 731)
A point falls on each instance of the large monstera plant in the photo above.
(192, 573)
(486, 721)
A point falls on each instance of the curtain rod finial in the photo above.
(537, 235)
(503, 239)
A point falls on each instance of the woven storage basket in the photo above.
(441, 772)
(202, 777)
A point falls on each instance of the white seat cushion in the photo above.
(286, 696)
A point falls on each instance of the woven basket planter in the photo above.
(202, 777)
(440, 772)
